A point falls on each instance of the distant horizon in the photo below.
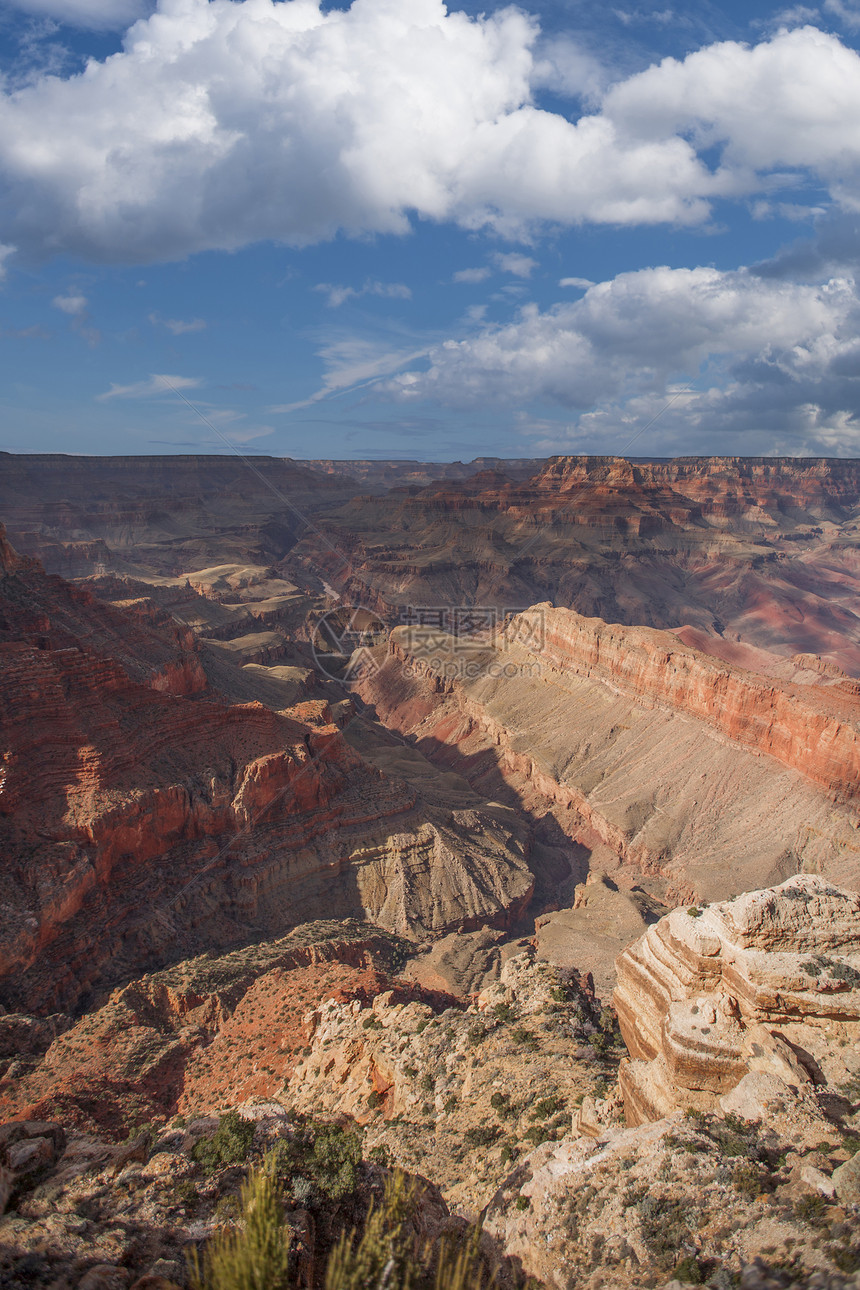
(430, 461)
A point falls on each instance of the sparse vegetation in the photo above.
(229, 1145)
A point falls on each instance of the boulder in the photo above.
(846, 1181)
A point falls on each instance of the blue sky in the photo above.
(396, 230)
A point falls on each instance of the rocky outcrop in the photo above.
(710, 1001)
(193, 1035)
(462, 1086)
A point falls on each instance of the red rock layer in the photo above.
(213, 1032)
(814, 730)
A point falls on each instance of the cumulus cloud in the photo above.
(770, 355)
(146, 389)
(472, 275)
(71, 304)
(222, 123)
(339, 295)
(521, 266)
(582, 283)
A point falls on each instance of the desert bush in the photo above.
(689, 1270)
(255, 1257)
(547, 1107)
(483, 1135)
(664, 1226)
(383, 1254)
(524, 1038)
(811, 1210)
(229, 1145)
(325, 1155)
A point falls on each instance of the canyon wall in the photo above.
(685, 767)
(814, 729)
(138, 823)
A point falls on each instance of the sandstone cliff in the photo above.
(689, 769)
(756, 549)
(747, 995)
(812, 729)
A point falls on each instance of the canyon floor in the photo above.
(332, 792)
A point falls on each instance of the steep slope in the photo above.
(137, 825)
(657, 759)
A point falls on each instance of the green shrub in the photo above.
(812, 1210)
(229, 1145)
(749, 1180)
(523, 1202)
(256, 1257)
(383, 1254)
(483, 1135)
(547, 1107)
(689, 1270)
(325, 1155)
(504, 1012)
(525, 1038)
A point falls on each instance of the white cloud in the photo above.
(354, 361)
(225, 123)
(789, 102)
(145, 389)
(339, 295)
(472, 275)
(176, 325)
(513, 262)
(97, 14)
(71, 304)
(583, 283)
(771, 355)
(848, 14)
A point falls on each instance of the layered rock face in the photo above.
(138, 824)
(686, 767)
(814, 729)
(158, 513)
(741, 996)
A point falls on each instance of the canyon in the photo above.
(604, 732)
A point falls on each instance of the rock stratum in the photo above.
(138, 823)
(658, 759)
(726, 1006)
